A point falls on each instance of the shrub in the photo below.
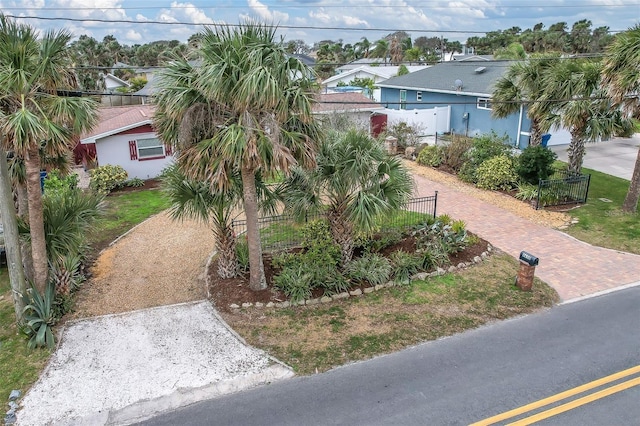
(371, 268)
(106, 178)
(497, 173)
(535, 162)
(484, 148)
(444, 234)
(385, 239)
(134, 183)
(434, 256)
(527, 192)
(55, 182)
(430, 155)
(405, 265)
(295, 282)
(242, 255)
(39, 317)
(453, 153)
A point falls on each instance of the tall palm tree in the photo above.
(521, 83)
(579, 105)
(246, 107)
(33, 73)
(381, 49)
(356, 181)
(621, 79)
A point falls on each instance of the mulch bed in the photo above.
(225, 292)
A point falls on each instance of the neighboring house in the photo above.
(375, 62)
(355, 107)
(124, 136)
(377, 74)
(466, 87)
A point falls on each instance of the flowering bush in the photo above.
(105, 179)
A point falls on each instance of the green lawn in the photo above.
(19, 366)
(602, 222)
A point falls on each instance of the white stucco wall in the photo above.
(115, 150)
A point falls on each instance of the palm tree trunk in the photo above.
(535, 137)
(11, 240)
(631, 200)
(342, 233)
(575, 152)
(226, 247)
(36, 220)
(23, 206)
(257, 280)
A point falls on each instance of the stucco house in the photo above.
(466, 87)
(355, 107)
(124, 136)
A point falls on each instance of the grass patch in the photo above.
(19, 366)
(603, 223)
(124, 211)
(317, 338)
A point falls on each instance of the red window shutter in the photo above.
(133, 150)
(168, 149)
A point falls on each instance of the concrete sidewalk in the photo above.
(572, 267)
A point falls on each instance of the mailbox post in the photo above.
(528, 263)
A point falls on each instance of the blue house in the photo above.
(465, 86)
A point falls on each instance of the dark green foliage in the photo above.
(39, 317)
(55, 182)
(295, 282)
(134, 183)
(242, 255)
(105, 179)
(370, 268)
(449, 236)
(384, 239)
(405, 265)
(430, 155)
(535, 162)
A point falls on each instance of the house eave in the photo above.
(93, 139)
(449, 92)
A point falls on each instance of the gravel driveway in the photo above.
(152, 343)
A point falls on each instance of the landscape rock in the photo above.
(247, 305)
(420, 276)
(313, 301)
(356, 292)
(259, 304)
(15, 394)
(325, 299)
(477, 259)
(234, 306)
(451, 269)
(270, 305)
(369, 290)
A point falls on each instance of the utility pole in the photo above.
(11, 239)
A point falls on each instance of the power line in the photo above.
(224, 24)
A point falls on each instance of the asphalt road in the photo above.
(462, 379)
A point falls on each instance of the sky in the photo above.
(315, 20)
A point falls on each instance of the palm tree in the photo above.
(356, 181)
(621, 80)
(381, 49)
(573, 88)
(521, 83)
(33, 73)
(195, 199)
(246, 108)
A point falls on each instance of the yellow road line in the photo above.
(558, 397)
(577, 403)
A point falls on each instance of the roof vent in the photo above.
(480, 70)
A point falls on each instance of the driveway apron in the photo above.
(573, 268)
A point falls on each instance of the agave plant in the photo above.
(39, 317)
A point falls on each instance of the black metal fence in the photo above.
(564, 188)
(283, 231)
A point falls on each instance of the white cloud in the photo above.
(133, 36)
(191, 13)
(353, 21)
(140, 17)
(98, 9)
(263, 12)
(320, 16)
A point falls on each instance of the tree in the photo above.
(514, 51)
(11, 241)
(246, 108)
(523, 82)
(621, 80)
(356, 181)
(33, 74)
(380, 50)
(572, 88)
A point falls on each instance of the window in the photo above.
(403, 99)
(150, 148)
(484, 103)
(419, 96)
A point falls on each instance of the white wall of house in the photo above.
(114, 150)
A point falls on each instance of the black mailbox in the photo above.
(528, 258)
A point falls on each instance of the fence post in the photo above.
(435, 205)
(538, 194)
(586, 193)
